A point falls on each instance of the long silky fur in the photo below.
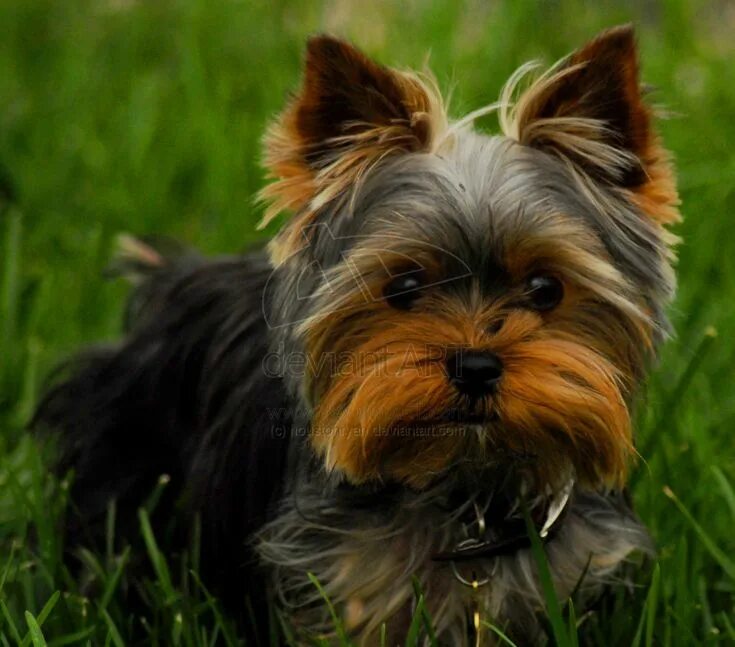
(184, 396)
(366, 561)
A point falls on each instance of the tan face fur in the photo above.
(576, 187)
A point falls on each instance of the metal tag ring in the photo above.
(474, 583)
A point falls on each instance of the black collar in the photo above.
(498, 527)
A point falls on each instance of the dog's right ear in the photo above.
(349, 114)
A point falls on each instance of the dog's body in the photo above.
(171, 400)
(155, 405)
(451, 328)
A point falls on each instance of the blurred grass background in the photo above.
(145, 117)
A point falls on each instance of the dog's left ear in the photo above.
(590, 111)
(350, 113)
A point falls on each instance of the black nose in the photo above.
(474, 373)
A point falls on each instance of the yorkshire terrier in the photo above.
(435, 358)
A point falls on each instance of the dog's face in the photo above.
(470, 299)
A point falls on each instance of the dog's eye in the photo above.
(544, 292)
(403, 290)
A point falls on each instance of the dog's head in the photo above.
(459, 297)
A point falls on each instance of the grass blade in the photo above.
(8, 563)
(727, 623)
(45, 612)
(152, 502)
(14, 633)
(212, 604)
(572, 624)
(553, 607)
(412, 636)
(707, 620)
(113, 581)
(425, 616)
(727, 490)
(672, 401)
(338, 627)
(10, 289)
(652, 604)
(110, 520)
(158, 561)
(717, 553)
(76, 638)
(113, 635)
(677, 395)
(48, 607)
(34, 630)
(500, 634)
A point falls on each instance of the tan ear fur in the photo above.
(590, 110)
(348, 115)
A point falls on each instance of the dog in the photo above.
(434, 360)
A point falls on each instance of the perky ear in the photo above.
(590, 110)
(349, 114)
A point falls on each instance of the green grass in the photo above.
(125, 115)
